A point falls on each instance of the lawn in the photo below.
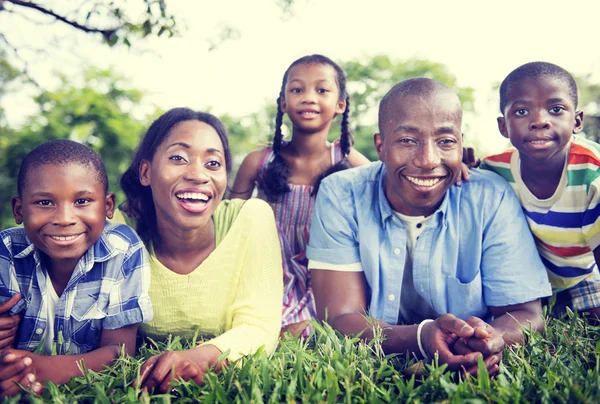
(561, 366)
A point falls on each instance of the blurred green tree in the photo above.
(98, 114)
(589, 103)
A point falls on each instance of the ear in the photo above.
(145, 173)
(502, 126)
(110, 205)
(283, 105)
(17, 209)
(578, 122)
(378, 141)
(341, 107)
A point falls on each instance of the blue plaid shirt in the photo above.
(108, 289)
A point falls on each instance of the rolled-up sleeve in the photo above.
(512, 271)
(333, 229)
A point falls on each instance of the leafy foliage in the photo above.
(99, 115)
(563, 366)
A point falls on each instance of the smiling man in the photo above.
(440, 268)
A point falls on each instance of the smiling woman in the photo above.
(215, 265)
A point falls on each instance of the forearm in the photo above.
(397, 338)
(61, 368)
(509, 324)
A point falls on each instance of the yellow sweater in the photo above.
(235, 294)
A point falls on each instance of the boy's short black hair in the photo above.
(60, 152)
(537, 69)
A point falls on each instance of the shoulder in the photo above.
(356, 158)
(355, 177)
(13, 241)
(584, 152)
(500, 160)
(249, 211)
(118, 236)
(484, 184)
(253, 159)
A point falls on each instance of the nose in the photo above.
(64, 215)
(196, 172)
(427, 156)
(539, 121)
(309, 97)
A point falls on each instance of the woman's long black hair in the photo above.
(139, 202)
(274, 180)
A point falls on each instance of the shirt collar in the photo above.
(386, 209)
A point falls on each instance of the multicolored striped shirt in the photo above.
(566, 226)
(292, 214)
(108, 289)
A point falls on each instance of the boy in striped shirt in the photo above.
(557, 178)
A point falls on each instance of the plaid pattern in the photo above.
(581, 297)
(108, 289)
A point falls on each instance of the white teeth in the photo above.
(66, 238)
(540, 141)
(423, 183)
(193, 195)
(308, 113)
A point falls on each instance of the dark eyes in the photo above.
(82, 201)
(44, 202)
(556, 110)
(521, 112)
(319, 90)
(176, 157)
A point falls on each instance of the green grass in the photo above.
(560, 367)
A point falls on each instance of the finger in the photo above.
(9, 322)
(6, 343)
(146, 369)
(9, 304)
(165, 385)
(471, 156)
(15, 369)
(460, 348)
(450, 324)
(7, 357)
(160, 370)
(491, 365)
(27, 380)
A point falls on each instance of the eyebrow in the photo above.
(407, 128)
(318, 81)
(185, 145)
(214, 151)
(446, 130)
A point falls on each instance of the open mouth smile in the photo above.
(193, 202)
(424, 182)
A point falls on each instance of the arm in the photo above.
(356, 158)
(341, 299)
(9, 323)
(246, 176)
(31, 369)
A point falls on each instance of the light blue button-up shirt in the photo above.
(476, 250)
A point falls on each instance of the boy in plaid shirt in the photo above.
(82, 282)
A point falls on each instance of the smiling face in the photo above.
(539, 119)
(421, 146)
(312, 97)
(63, 209)
(187, 175)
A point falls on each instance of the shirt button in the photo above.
(391, 298)
(39, 331)
(419, 225)
(396, 251)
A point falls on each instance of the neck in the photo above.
(60, 272)
(548, 172)
(308, 144)
(178, 244)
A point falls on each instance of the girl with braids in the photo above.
(288, 173)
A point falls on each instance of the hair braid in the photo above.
(346, 138)
(273, 180)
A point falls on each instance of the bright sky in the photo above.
(480, 42)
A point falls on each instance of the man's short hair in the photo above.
(61, 152)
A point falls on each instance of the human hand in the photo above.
(160, 370)
(469, 161)
(486, 340)
(16, 367)
(9, 324)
